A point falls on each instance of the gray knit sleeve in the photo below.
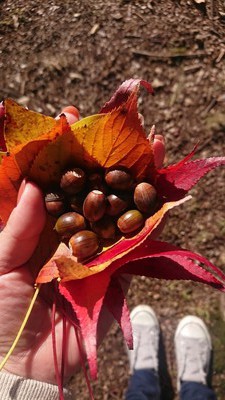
(13, 387)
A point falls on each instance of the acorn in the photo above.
(116, 204)
(76, 202)
(105, 227)
(94, 205)
(84, 244)
(73, 181)
(119, 179)
(130, 221)
(55, 203)
(145, 197)
(95, 182)
(69, 223)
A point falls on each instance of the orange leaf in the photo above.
(10, 179)
(105, 140)
(56, 156)
(23, 125)
(69, 267)
(117, 139)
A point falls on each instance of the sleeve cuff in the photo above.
(19, 388)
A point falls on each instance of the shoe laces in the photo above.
(195, 359)
(145, 346)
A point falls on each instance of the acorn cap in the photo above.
(73, 181)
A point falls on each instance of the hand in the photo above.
(32, 357)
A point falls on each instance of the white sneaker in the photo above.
(146, 339)
(193, 350)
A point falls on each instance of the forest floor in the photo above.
(59, 52)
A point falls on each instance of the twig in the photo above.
(221, 55)
(93, 30)
(192, 68)
(139, 16)
(210, 106)
(169, 55)
(212, 8)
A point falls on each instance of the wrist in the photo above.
(20, 388)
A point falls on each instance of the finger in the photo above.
(21, 233)
(159, 150)
(2, 124)
(72, 114)
(2, 110)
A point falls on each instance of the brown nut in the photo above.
(69, 223)
(94, 205)
(119, 179)
(76, 202)
(73, 181)
(130, 221)
(95, 182)
(105, 227)
(145, 197)
(55, 203)
(116, 204)
(84, 244)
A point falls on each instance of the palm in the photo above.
(34, 349)
(33, 356)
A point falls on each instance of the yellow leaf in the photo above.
(23, 125)
(25, 154)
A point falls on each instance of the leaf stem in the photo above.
(64, 338)
(78, 337)
(5, 359)
(54, 346)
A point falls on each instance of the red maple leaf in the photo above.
(113, 137)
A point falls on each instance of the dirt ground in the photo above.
(55, 53)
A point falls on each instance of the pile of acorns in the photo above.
(98, 207)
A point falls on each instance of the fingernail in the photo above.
(71, 110)
(2, 110)
(21, 190)
(160, 138)
(72, 114)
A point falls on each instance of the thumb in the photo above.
(159, 150)
(21, 233)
